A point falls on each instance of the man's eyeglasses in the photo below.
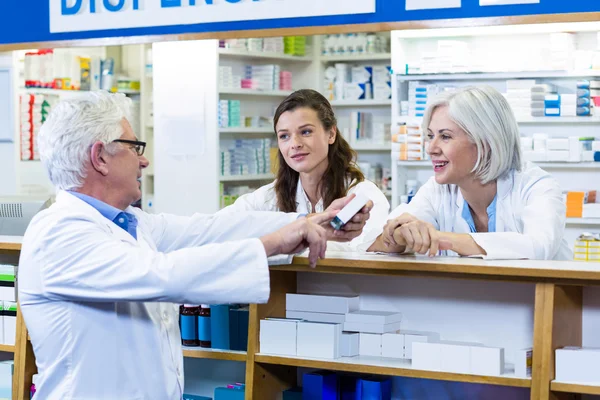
(136, 145)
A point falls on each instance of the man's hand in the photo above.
(299, 235)
(353, 228)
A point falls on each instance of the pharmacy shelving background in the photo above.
(46, 76)
(560, 59)
(256, 74)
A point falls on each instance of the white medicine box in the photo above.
(487, 360)
(9, 322)
(350, 344)
(411, 337)
(319, 340)
(278, 336)
(392, 345)
(321, 303)
(370, 344)
(578, 365)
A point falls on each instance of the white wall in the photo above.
(186, 174)
(8, 173)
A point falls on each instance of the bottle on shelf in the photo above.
(204, 338)
(189, 325)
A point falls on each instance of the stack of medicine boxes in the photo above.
(587, 248)
(9, 303)
(329, 327)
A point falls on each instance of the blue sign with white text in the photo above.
(86, 19)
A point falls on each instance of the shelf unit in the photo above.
(356, 57)
(241, 130)
(486, 48)
(389, 366)
(558, 295)
(7, 348)
(500, 75)
(214, 354)
(262, 55)
(255, 92)
(372, 147)
(368, 154)
(360, 103)
(577, 388)
(584, 221)
(240, 178)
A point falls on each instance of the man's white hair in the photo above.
(71, 129)
(485, 115)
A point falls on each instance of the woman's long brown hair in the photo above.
(342, 169)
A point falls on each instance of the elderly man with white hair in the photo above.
(100, 281)
(483, 200)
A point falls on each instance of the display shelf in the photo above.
(263, 55)
(264, 129)
(583, 221)
(214, 354)
(59, 92)
(388, 366)
(372, 146)
(240, 178)
(499, 75)
(574, 388)
(358, 57)
(10, 243)
(527, 120)
(360, 103)
(255, 92)
(7, 348)
(560, 120)
(545, 165)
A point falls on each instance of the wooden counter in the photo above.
(557, 321)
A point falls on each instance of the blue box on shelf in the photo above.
(223, 393)
(374, 389)
(319, 385)
(195, 397)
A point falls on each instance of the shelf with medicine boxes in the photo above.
(249, 177)
(371, 147)
(590, 73)
(228, 52)
(389, 367)
(354, 74)
(583, 221)
(551, 296)
(255, 92)
(255, 75)
(577, 388)
(360, 103)
(214, 354)
(243, 129)
(48, 76)
(356, 57)
(543, 165)
(557, 294)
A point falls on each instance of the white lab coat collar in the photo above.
(504, 187)
(66, 199)
(303, 204)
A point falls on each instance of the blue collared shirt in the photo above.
(491, 212)
(124, 220)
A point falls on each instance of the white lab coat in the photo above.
(530, 215)
(98, 304)
(265, 199)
